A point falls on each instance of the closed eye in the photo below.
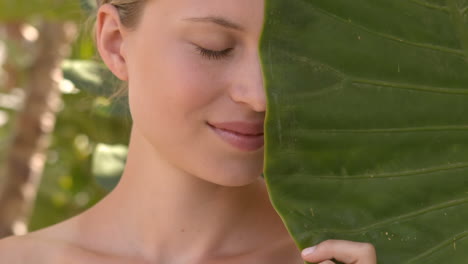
(214, 54)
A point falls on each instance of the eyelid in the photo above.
(213, 54)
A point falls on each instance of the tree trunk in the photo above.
(33, 128)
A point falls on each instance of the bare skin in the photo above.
(186, 196)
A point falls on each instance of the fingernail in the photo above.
(308, 251)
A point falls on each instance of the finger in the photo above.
(344, 251)
(327, 262)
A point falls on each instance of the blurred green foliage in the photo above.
(88, 148)
(49, 9)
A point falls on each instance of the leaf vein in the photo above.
(394, 130)
(429, 5)
(457, 16)
(351, 79)
(394, 38)
(407, 86)
(399, 218)
(441, 245)
(416, 172)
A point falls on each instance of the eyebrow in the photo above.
(217, 20)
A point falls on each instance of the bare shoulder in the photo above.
(32, 249)
(57, 244)
(9, 250)
(39, 249)
(25, 249)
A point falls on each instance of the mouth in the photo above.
(241, 127)
(240, 135)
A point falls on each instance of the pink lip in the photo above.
(245, 128)
(242, 135)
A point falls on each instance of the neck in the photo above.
(169, 216)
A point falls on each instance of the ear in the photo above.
(110, 35)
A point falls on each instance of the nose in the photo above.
(247, 87)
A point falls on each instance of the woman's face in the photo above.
(192, 66)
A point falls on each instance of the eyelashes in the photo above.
(213, 54)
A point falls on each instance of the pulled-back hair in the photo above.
(129, 10)
(129, 14)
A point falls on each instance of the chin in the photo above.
(237, 178)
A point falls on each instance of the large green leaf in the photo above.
(367, 127)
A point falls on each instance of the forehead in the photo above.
(246, 13)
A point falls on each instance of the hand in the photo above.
(347, 252)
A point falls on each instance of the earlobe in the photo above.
(110, 40)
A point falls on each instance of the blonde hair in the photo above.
(129, 10)
(129, 14)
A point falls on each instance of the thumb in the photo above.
(345, 251)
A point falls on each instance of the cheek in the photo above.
(172, 94)
(194, 85)
(173, 81)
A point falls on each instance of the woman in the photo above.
(191, 191)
